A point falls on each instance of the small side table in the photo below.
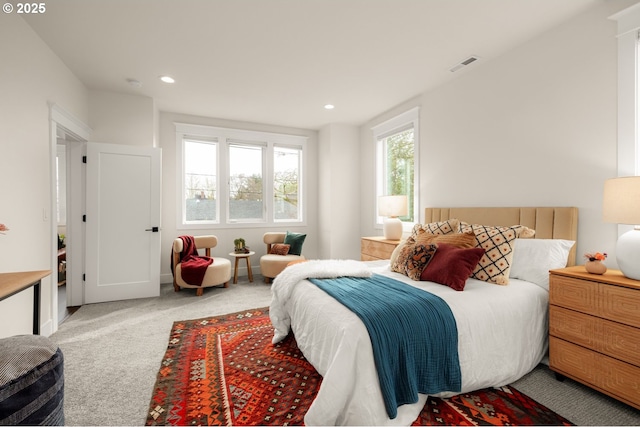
(246, 256)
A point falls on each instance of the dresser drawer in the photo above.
(573, 326)
(620, 304)
(611, 338)
(579, 295)
(372, 248)
(611, 376)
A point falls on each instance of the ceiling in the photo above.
(280, 61)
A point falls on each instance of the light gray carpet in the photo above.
(113, 352)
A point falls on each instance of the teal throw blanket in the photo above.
(413, 334)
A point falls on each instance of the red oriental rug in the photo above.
(224, 370)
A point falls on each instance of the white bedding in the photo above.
(502, 336)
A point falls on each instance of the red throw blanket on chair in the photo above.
(194, 266)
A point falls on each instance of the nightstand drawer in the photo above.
(573, 326)
(611, 338)
(579, 295)
(620, 304)
(376, 248)
(613, 377)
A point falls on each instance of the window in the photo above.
(286, 183)
(396, 159)
(246, 192)
(628, 21)
(234, 177)
(200, 181)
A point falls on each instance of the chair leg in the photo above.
(267, 280)
(226, 284)
(176, 288)
(199, 291)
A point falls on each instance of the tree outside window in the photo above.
(200, 163)
(400, 167)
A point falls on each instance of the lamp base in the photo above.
(392, 228)
(628, 253)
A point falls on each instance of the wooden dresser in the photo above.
(376, 248)
(594, 328)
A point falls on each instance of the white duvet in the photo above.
(502, 336)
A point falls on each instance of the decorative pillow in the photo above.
(412, 259)
(279, 249)
(497, 243)
(461, 240)
(418, 259)
(402, 254)
(396, 252)
(452, 266)
(442, 227)
(295, 241)
(533, 258)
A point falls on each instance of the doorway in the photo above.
(61, 219)
(69, 132)
(67, 252)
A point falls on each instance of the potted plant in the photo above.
(239, 245)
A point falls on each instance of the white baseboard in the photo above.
(46, 329)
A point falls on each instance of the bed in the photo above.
(502, 330)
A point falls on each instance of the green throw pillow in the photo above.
(295, 241)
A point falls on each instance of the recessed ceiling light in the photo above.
(329, 107)
(167, 79)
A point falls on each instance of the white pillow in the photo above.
(533, 258)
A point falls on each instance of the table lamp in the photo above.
(621, 205)
(391, 207)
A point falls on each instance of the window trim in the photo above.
(226, 137)
(628, 51)
(408, 119)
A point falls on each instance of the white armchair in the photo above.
(272, 264)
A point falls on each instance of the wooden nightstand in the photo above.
(376, 248)
(594, 331)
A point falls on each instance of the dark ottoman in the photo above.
(31, 381)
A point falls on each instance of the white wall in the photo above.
(30, 77)
(251, 233)
(118, 118)
(339, 181)
(535, 127)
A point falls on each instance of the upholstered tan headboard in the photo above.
(549, 222)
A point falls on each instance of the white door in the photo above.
(122, 222)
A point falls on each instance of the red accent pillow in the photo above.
(280, 249)
(452, 266)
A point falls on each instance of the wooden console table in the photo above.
(12, 283)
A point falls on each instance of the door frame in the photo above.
(65, 125)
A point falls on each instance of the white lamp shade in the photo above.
(621, 202)
(621, 205)
(392, 206)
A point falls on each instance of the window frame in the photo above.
(181, 180)
(225, 137)
(400, 123)
(628, 35)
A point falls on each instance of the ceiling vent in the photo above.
(470, 60)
